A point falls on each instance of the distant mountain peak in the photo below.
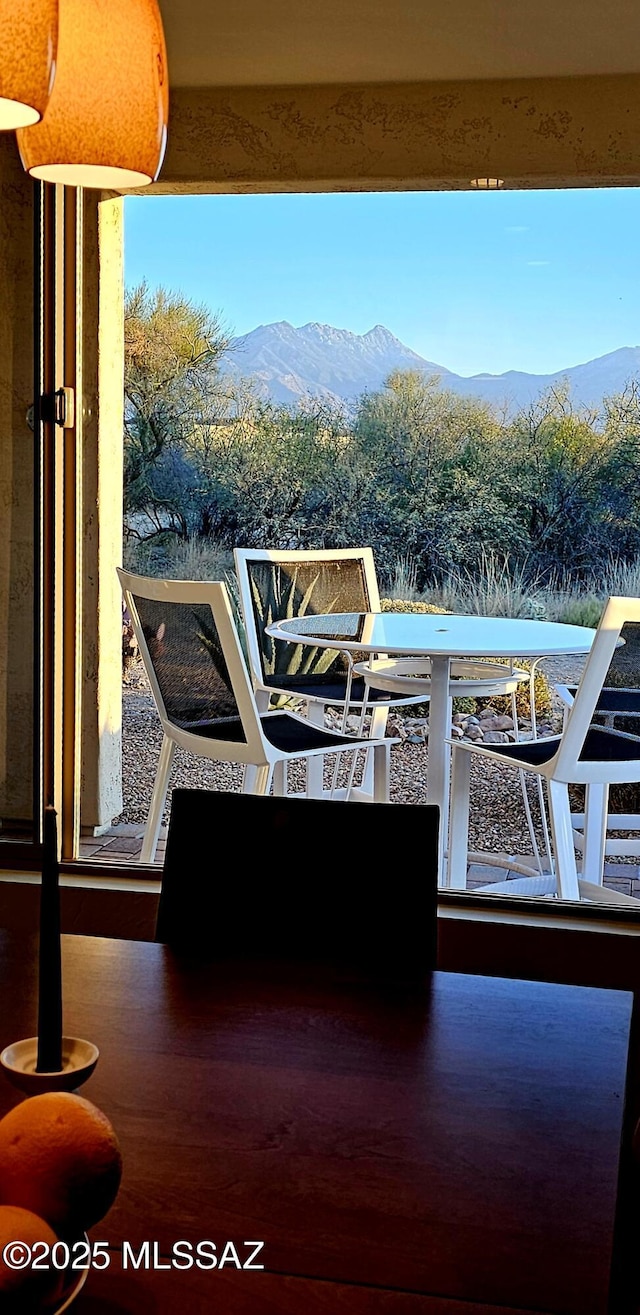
(381, 334)
(319, 360)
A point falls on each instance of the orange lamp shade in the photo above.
(28, 43)
(106, 122)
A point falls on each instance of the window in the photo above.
(525, 514)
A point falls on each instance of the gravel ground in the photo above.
(496, 796)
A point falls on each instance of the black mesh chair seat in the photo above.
(533, 752)
(329, 689)
(228, 728)
(600, 745)
(282, 731)
(615, 700)
(293, 736)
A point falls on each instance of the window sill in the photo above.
(604, 920)
(87, 881)
(475, 908)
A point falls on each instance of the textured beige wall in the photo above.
(101, 403)
(531, 132)
(102, 464)
(16, 485)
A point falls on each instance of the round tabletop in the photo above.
(429, 634)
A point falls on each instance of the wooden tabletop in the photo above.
(398, 1152)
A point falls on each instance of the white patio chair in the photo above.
(480, 679)
(278, 584)
(192, 656)
(584, 754)
(616, 703)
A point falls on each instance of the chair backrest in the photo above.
(190, 648)
(301, 879)
(275, 585)
(617, 612)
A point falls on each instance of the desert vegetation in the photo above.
(466, 508)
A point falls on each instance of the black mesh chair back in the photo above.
(619, 702)
(192, 653)
(618, 708)
(305, 880)
(289, 588)
(186, 656)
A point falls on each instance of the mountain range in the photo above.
(288, 364)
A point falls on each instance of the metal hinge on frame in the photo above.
(59, 407)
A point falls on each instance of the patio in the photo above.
(122, 844)
(498, 825)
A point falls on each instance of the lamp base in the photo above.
(79, 1059)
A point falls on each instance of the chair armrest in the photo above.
(566, 694)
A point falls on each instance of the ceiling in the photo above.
(297, 42)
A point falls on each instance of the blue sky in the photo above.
(533, 281)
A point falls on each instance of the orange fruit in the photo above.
(26, 1291)
(60, 1158)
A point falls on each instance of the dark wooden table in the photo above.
(453, 1149)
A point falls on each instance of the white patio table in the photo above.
(439, 637)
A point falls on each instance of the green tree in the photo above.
(564, 460)
(622, 430)
(173, 389)
(275, 474)
(436, 478)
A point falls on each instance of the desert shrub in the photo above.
(201, 559)
(578, 610)
(542, 692)
(402, 580)
(129, 643)
(496, 586)
(409, 605)
(177, 559)
(151, 556)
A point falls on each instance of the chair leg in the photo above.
(381, 756)
(596, 808)
(250, 775)
(160, 786)
(258, 780)
(379, 717)
(249, 778)
(455, 872)
(315, 765)
(279, 778)
(439, 752)
(562, 832)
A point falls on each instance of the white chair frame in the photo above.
(389, 674)
(468, 680)
(315, 707)
(255, 751)
(563, 766)
(589, 840)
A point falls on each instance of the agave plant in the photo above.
(281, 599)
(208, 636)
